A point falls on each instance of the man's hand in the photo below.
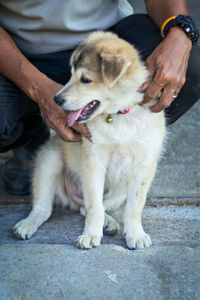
(167, 67)
(56, 117)
(39, 88)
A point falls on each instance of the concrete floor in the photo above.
(49, 266)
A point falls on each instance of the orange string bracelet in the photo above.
(164, 24)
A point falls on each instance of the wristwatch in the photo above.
(186, 23)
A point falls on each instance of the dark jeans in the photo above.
(17, 110)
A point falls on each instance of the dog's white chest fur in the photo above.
(122, 149)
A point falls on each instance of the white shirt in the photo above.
(46, 26)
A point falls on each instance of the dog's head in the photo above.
(106, 76)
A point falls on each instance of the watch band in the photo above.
(186, 23)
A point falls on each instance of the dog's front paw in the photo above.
(25, 229)
(87, 242)
(137, 240)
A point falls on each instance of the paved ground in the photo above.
(50, 267)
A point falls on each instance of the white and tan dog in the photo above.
(120, 162)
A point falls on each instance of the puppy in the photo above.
(119, 163)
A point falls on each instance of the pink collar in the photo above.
(109, 118)
(124, 112)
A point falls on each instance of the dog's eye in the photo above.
(83, 79)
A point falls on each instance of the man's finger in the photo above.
(82, 129)
(68, 135)
(164, 101)
(146, 83)
(152, 92)
(181, 82)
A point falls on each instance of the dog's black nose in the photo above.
(59, 100)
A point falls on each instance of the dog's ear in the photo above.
(76, 55)
(113, 66)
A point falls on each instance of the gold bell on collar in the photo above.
(109, 119)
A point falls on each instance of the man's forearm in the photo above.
(160, 10)
(15, 66)
(168, 62)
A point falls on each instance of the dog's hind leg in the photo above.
(48, 169)
(114, 199)
(135, 236)
(110, 226)
(61, 195)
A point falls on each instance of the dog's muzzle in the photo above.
(59, 100)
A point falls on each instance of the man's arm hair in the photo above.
(15, 66)
(160, 10)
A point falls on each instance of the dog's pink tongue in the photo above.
(73, 116)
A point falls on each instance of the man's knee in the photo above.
(8, 136)
(190, 92)
(140, 31)
(194, 63)
(14, 107)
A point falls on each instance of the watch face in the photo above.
(189, 27)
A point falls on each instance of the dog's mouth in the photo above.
(83, 113)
